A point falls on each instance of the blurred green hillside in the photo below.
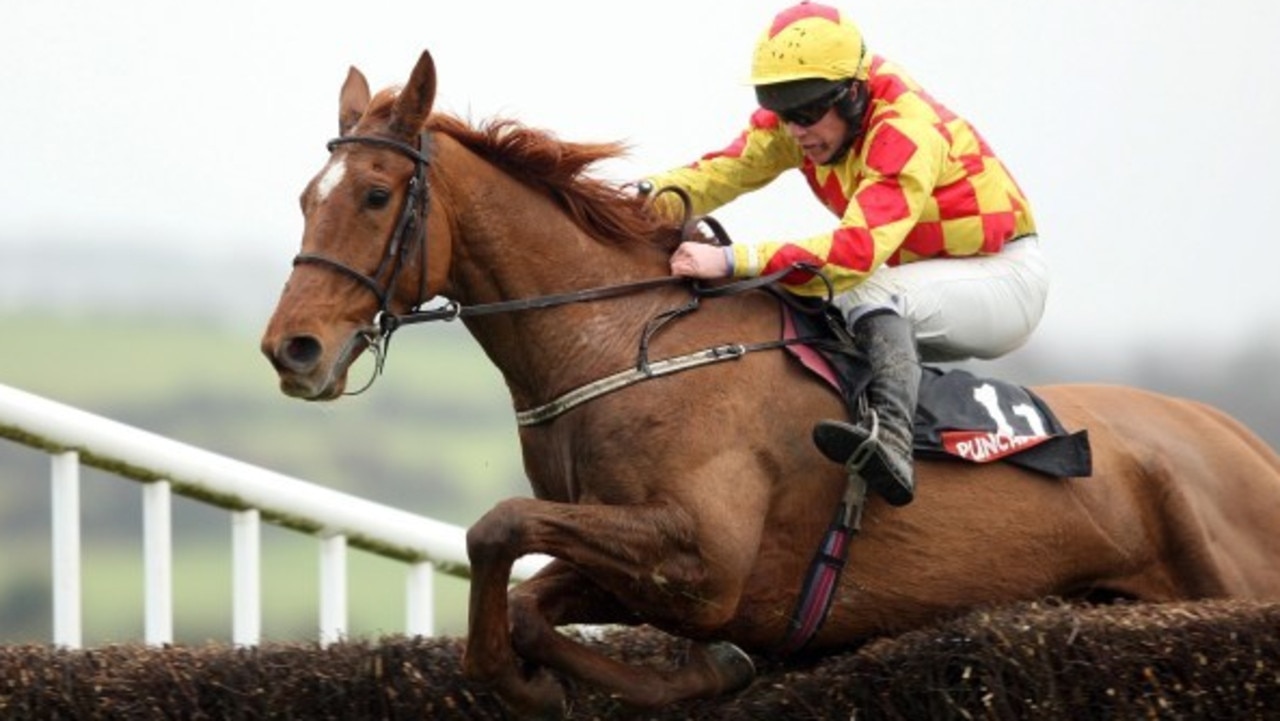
(434, 436)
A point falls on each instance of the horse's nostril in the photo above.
(301, 352)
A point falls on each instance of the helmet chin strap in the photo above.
(852, 109)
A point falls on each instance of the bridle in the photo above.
(400, 247)
(412, 220)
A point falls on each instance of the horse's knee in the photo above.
(495, 534)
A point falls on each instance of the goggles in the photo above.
(811, 112)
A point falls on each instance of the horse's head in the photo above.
(365, 250)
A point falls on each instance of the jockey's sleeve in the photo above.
(755, 157)
(891, 181)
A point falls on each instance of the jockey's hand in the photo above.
(699, 260)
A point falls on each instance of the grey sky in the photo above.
(1144, 132)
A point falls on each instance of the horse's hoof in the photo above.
(733, 665)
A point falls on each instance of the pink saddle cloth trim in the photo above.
(808, 357)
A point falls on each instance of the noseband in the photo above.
(400, 247)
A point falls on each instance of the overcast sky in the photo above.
(1143, 131)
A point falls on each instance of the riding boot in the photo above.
(881, 453)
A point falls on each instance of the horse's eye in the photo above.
(377, 198)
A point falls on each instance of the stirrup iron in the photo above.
(866, 449)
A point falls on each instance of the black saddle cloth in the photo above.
(960, 416)
(980, 420)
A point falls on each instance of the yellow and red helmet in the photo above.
(807, 49)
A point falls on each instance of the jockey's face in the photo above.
(823, 140)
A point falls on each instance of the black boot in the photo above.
(881, 453)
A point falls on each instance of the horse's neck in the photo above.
(517, 244)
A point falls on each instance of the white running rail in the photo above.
(164, 466)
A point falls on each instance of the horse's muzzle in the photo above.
(299, 362)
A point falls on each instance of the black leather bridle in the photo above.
(408, 237)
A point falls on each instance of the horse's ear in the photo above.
(409, 114)
(352, 101)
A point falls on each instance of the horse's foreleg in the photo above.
(561, 595)
(650, 553)
(489, 656)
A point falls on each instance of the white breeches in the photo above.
(971, 307)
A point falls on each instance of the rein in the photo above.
(452, 310)
(689, 224)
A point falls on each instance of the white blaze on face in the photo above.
(332, 176)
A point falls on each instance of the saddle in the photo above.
(959, 416)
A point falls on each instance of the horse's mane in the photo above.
(605, 210)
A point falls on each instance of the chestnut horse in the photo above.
(695, 501)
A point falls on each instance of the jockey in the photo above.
(934, 256)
